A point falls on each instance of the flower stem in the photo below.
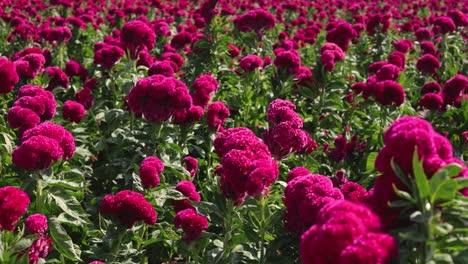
(262, 230)
(228, 231)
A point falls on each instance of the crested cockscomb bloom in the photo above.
(431, 87)
(341, 34)
(233, 51)
(162, 68)
(176, 60)
(428, 64)
(8, 76)
(455, 87)
(247, 167)
(181, 39)
(303, 198)
(57, 78)
(403, 45)
(157, 97)
(74, 68)
(432, 101)
(330, 53)
(288, 60)
(284, 138)
(423, 33)
(216, 115)
(136, 35)
(388, 72)
(188, 116)
(283, 111)
(150, 169)
(354, 192)
(428, 47)
(191, 165)
(389, 92)
(375, 66)
(13, 204)
(304, 76)
(128, 207)
(255, 20)
(73, 111)
(250, 63)
(443, 25)
(188, 189)
(162, 29)
(398, 59)
(192, 223)
(58, 34)
(203, 86)
(40, 248)
(107, 55)
(29, 65)
(346, 232)
(85, 97)
(297, 172)
(400, 141)
(33, 105)
(36, 223)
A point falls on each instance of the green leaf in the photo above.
(446, 191)
(69, 205)
(370, 163)
(403, 194)
(62, 241)
(420, 177)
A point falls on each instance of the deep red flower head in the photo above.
(13, 204)
(36, 223)
(8, 76)
(150, 169)
(216, 115)
(192, 223)
(73, 111)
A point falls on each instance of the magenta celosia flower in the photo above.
(176, 60)
(74, 68)
(192, 223)
(280, 111)
(430, 87)
(37, 153)
(250, 63)
(203, 86)
(455, 87)
(432, 101)
(428, 64)
(403, 45)
(191, 165)
(288, 60)
(216, 115)
(188, 116)
(158, 97)
(423, 33)
(188, 189)
(85, 97)
(354, 192)
(58, 133)
(370, 248)
(29, 65)
(341, 34)
(398, 59)
(162, 68)
(181, 39)
(255, 20)
(330, 54)
(128, 207)
(107, 55)
(40, 248)
(246, 164)
(36, 223)
(136, 35)
(13, 204)
(73, 111)
(388, 72)
(97, 262)
(8, 76)
(443, 25)
(150, 169)
(297, 172)
(389, 92)
(233, 51)
(304, 76)
(375, 66)
(57, 78)
(341, 228)
(304, 197)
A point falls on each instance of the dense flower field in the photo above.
(233, 131)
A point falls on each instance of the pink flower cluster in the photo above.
(13, 204)
(128, 207)
(8, 76)
(33, 105)
(216, 115)
(286, 136)
(158, 98)
(42, 145)
(330, 53)
(136, 36)
(150, 169)
(192, 223)
(40, 248)
(346, 232)
(401, 139)
(247, 167)
(255, 20)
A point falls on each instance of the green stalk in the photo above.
(228, 231)
(262, 229)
